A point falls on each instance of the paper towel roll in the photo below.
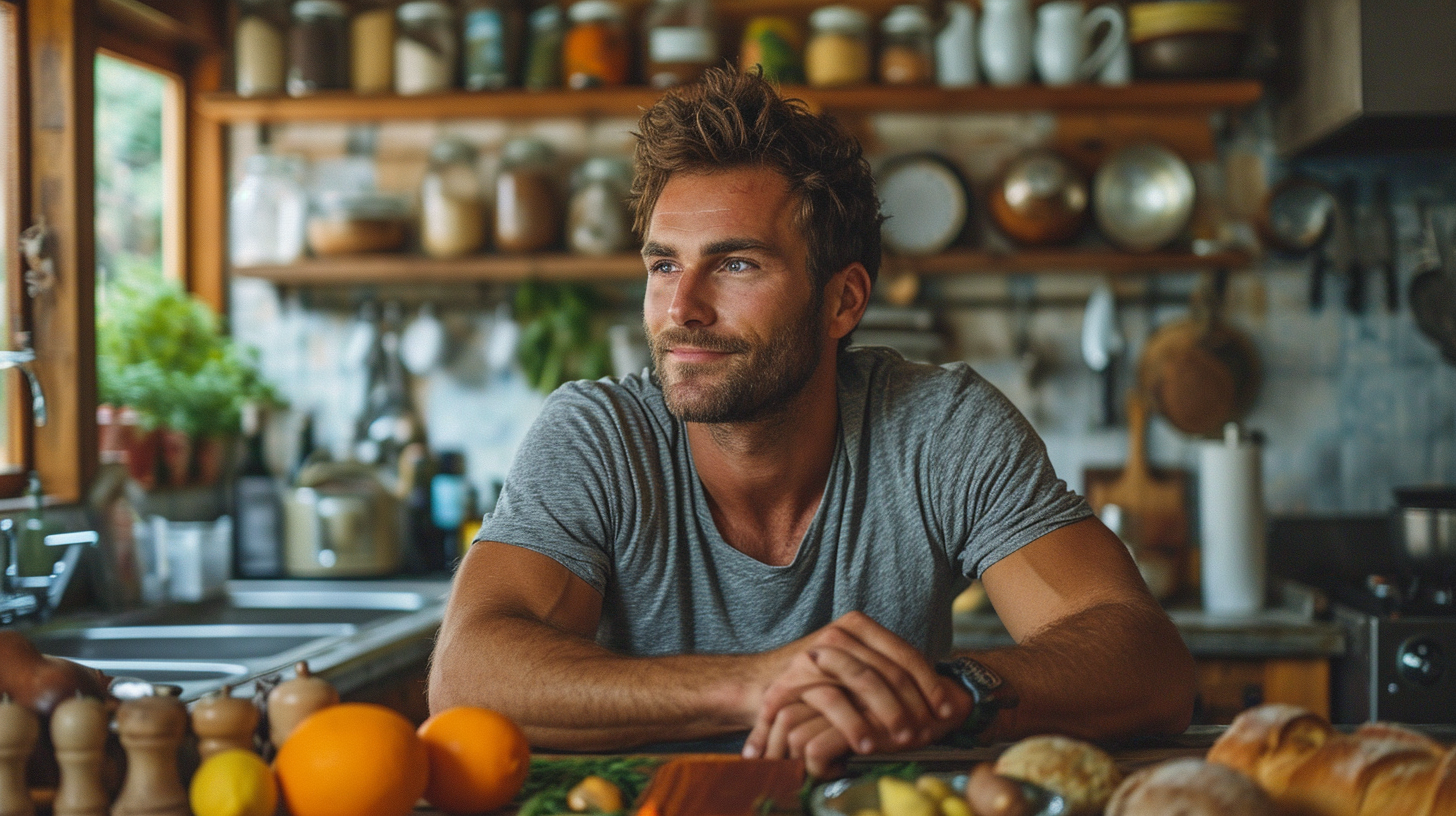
(1231, 524)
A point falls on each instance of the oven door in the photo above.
(1395, 670)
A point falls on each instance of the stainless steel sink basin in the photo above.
(188, 642)
(181, 672)
(252, 606)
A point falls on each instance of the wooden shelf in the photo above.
(397, 269)
(1147, 97)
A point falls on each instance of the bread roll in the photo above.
(1081, 773)
(1190, 787)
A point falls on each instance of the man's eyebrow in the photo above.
(652, 249)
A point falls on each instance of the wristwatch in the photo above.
(989, 695)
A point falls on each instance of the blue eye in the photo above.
(660, 268)
(736, 265)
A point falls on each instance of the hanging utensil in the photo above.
(422, 346)
(1382, 242)
(1102, 345)
(1356, 229)
(1433, 290)
(1296, 220)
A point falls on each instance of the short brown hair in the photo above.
(728, 120)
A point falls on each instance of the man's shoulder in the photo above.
(904, 383)
(630, 401)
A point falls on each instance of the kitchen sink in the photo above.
(186, 642)
(249, 606)
(170, 671)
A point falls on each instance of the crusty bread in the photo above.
(1309, 769)
(1081, 773)
(1190, 787)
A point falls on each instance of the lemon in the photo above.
(234, 782)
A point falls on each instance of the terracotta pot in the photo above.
(142, 452)
(177, 456)
(210, 458)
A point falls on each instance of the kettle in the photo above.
(340, 521)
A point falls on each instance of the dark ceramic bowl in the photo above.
(1190, 55)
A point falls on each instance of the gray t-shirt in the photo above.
(935, 477)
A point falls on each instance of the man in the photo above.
(766, 534)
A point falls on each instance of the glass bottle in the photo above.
(597, 219)
(425, 47)
(595, 52)
(680, 40)
(258, 544)
(543, 53)
(527, 215)
(452, 204)
(492, 44)
(907, 56)
(267, 212)
(371, 47)
(259, 47)
(838, 52)
(318, 47)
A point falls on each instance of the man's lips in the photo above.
(689, 354)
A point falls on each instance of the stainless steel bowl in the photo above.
(1143, 196)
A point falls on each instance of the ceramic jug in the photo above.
(1064, 32)
(1005, 40)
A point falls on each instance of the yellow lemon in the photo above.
(234, 783)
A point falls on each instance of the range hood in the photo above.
(1368, 76)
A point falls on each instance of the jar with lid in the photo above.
(838, 52)
(425, 47)
(266, 212)
(543, 51)
(259, 52)
(681, 41)
(371, 47)
(597, 220)
(318, 47)
(452, 202)
(776, 45)
(492, 38)
(595, 52)
(352, 223)
(907, 55)
(527, 212)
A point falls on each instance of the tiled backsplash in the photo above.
(1351, 405)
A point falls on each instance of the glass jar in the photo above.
(492, 38)
(259, 53)
(452, 203)
(527, 213)
(543, 54)
(681, 41)
(424, 48)
(838, 52)
(266, 212)
(907, 53)
(354, 223)
(371, 47)
(318, 47)
(597, 220)
(595, 53)
(776, 45)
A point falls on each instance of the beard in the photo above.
(758, 380)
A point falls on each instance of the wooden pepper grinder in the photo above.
(222, 721)
(78, 730)
(151, 729)
(290, 703)
(19, 729)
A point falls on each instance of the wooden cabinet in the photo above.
(1091, 121)
(1227, 686)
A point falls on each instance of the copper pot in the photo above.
(1040, 199)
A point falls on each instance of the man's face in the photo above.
(732, 318)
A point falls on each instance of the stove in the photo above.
(1400, 659)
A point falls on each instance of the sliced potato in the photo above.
(901, 798)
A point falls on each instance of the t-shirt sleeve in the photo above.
(563, 494)
(998, 491)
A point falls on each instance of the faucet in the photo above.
(22, 360)
(26, 596)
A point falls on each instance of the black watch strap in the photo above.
(989, 695)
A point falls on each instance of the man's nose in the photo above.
(692, 299)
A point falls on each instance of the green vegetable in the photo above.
(561, 336)
(549, 780)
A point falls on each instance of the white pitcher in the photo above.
(1005, 39)
(1063, 34)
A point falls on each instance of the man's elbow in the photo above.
(1172, 696)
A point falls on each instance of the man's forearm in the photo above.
(1109, 671)
(568, 692)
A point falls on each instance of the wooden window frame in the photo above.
(20, 440)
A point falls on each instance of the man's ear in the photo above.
(846, 296)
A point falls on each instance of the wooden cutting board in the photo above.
(1154, 503)
(723, 786)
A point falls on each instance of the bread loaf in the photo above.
(1310, 769)
(1190, 787)
(1081, 773)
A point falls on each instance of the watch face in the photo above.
(975, 672)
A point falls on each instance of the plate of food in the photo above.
(981, 792)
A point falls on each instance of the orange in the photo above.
(478, 759)
(352, 759)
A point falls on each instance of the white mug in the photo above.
(1005, 40)
(1063, 32)
(1118, 70)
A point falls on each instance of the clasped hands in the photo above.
(852, 687)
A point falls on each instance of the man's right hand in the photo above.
(877, 691)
